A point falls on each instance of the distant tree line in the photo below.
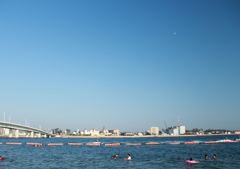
(213, 131)
(59, 131)
(56, 131)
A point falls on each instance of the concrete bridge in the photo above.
(30, 131)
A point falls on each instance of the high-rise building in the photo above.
(154, 130)
(182, 130)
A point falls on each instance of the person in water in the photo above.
(206, 157)
(193, 160)
(214, 156)
(128, 157)
(115, 156)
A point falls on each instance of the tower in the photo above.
(178, 125)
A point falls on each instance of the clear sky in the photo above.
(126, 65)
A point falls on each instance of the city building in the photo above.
(92, 132)
(182, 130)
(104, 131)
(236, 132)
(95, 133)
(148, 132)
(200, 132)
(175, 130)
(127, 134)
(154, 130)
(114, 132)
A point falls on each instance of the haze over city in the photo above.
(126, 65)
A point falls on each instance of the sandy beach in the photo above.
(131, 136)
(145, 136)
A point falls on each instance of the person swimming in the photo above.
(128, 157)
(97, 142)
(115, 156)
(214, 156)
(206, 157)
(193, 161)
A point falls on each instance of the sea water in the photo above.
(144, 156)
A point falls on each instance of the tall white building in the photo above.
(154, 130)
(176, 130)
(182, 130)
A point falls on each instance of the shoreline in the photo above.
(146, 136)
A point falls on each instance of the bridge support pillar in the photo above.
(16, 133)
(39, 135)
(10, 133)
(45, 136)
(31, 134)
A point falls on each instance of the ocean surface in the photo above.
(143, 156)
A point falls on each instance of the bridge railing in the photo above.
(23, 127)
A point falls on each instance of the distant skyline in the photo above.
(126, 65)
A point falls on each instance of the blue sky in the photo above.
(125, 65)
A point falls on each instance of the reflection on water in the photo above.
(144, 156)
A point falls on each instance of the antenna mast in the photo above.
(179, 126)
(178, 121)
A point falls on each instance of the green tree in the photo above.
(60, 131)
(55, 131)
(68, 131)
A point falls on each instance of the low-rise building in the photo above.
(127, 134)
(104, 131)
(237, 132)
(114, 132)
(200, 132)
(92, 132)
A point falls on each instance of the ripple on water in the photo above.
(153, 156)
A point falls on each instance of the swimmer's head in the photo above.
(190, 159)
